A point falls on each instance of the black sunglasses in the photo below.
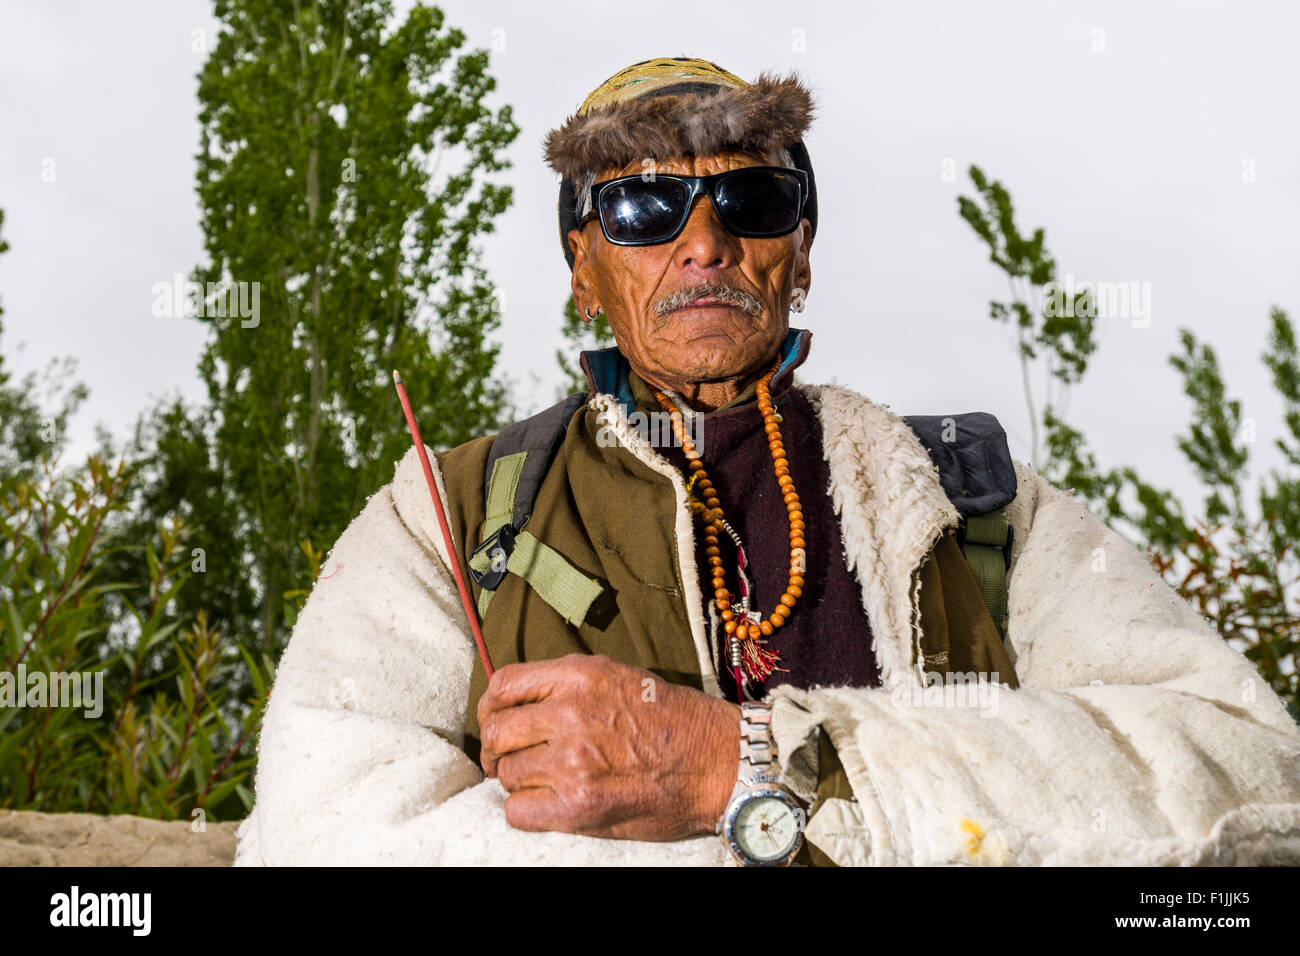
(753, 202)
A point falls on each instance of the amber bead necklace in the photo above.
(744, 637)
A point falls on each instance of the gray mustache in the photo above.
(723, 293)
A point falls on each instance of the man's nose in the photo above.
(704, 243)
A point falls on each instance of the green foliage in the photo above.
(323, 127)
(1057, 337)
(1212, 444)
(1237, 567)
(1279, 499)
(142, 726)
(580, 336)
(1235, 577)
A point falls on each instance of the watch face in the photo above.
(766, 828)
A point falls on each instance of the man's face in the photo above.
(647, 291)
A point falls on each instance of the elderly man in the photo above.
(754, 635)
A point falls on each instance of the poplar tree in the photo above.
(343, 176)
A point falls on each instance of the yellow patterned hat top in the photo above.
(641, 78)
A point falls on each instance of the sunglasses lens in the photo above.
(640, 211)
(750, 202)
(762, 202)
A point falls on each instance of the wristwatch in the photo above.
(763, 823)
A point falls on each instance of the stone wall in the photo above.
(86, 839)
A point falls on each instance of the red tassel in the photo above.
(758, 661)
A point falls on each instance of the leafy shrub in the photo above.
(166, 740)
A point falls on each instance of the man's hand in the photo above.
(584, 744)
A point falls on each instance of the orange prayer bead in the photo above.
(709, 507)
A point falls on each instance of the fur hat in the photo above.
(675, 106)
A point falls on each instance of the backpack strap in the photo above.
(516, 465)
(970, 450)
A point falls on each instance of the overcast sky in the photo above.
(1156, 143)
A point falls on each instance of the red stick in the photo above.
(446, 529)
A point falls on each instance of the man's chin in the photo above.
(708, 373)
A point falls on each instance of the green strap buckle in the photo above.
(985, 547)
(504, 550)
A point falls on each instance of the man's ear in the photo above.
(803, 264)
(580, 279)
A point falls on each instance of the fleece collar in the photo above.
(606, 369)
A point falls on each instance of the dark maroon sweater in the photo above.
(826, 641)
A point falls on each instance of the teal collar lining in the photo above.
(607, 369)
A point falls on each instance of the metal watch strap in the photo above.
(757, 748)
